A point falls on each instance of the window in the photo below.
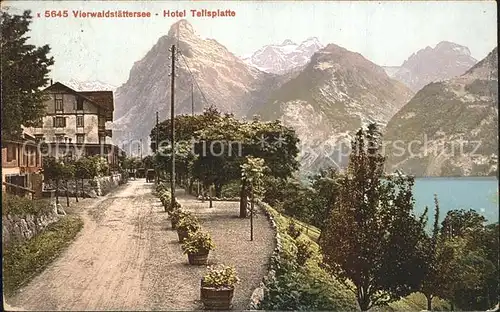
(79, 121)
(59, 102)
(80, 138)
(32, 160)
(79, 103)
(11, 152)
(59, 122)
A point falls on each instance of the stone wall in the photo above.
(91, 187)
(258, 293)
(105, 184)
(18, 228)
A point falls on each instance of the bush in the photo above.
(17, 205)
(178, 214)
(304, 251)
(197, 242)
(220, 276)
(294, 230)
(301, 287)
(188, 223)
(161, 187)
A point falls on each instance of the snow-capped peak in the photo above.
(288, 42)
(282, 58)
(89, 85)
(312, 41)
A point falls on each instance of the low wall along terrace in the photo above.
(18, 228)
(91, 187)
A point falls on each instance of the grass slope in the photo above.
(22, 262)
(339, 296)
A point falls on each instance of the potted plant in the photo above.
(217, 287)
(176, 215)
(186, 225)
(197, 246)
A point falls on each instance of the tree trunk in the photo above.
(57, 191)
(76, 190)
(218, 190)
(452, 306)
(191, 183)
(363, 298)
(363, 304)
(429, 302)
(243, 200)
(251, 216)
(210, 196)
(66, 192)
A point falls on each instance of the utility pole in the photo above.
(172, 128)
(192, 99)
(157, 145)
(141, 149)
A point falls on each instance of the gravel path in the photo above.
(128, 258)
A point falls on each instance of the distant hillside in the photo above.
(453, 126)
(445, 61)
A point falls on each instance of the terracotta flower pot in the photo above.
(182, 235)
(199, 258)
(216, 298)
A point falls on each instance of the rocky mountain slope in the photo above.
(282, 58)
(391, 70)
(89, 85)
(336, 93)
(225, 81)
(449, 128)
(445, 61)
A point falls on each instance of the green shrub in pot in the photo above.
(197, 246)
(217, 287)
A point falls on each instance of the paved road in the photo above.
(128, 258)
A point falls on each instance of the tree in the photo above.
(434, 277)
(252, 172)
(185, 126)
(325, 191)
(276, 144)
(372, 237)
(25, 69)
(67, 173)
(458, 223)
(471, 282)
(53, 170)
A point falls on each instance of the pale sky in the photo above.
(386, 33)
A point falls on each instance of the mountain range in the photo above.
(324, 92)
(220, 79)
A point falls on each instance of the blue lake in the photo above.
(478, 193)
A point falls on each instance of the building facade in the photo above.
(21, 162)
(75, 124)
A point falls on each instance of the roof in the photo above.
(103, 99)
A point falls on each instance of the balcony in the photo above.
(105, 132)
